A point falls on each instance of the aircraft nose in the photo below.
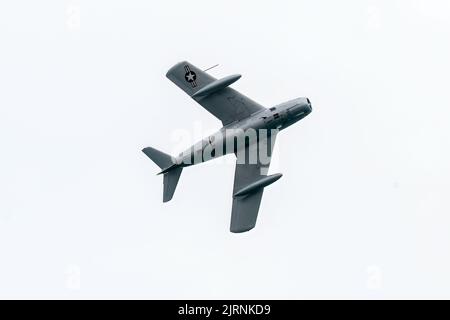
(309, 104)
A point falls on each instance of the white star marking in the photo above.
(190, 76)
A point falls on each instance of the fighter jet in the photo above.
(249, 130)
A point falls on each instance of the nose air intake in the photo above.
(309, 104)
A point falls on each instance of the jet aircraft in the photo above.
(249, 130)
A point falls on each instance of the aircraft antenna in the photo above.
(211, 67)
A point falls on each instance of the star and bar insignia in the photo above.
(190, 76)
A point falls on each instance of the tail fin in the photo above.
(170, 169)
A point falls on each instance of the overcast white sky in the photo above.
(362, 210)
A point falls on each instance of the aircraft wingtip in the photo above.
(241, 229)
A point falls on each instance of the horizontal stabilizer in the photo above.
(170, 169)
(170, 183)
(162, 159)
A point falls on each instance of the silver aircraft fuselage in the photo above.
(224, 141)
